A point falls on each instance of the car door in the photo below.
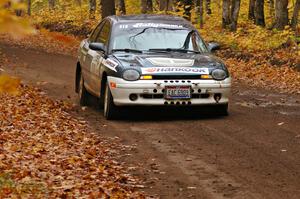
(87, 56)
(97, 58)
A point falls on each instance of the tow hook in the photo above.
(158, 84)
(217, 97)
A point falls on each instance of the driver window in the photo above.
(95, 33)
(196, 43)
(104, 34)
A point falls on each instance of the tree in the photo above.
(294, 21)
(259, 13)
(107, 8)
(230, 14)
(199, 9)
(165, 5)
(122, 7)
(29, 7)
(207, 7)
(78, 2)
(92, 8)
(281, 14)
(235, 9)
(226, 14)
(251, 15)
(9, 23)
(147, 6)
(51, 4)
(19, 12)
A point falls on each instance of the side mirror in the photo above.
(213, 46)
(97, 47)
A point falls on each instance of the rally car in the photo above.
(150, 60)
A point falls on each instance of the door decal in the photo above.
(109, 63)
(95, 64)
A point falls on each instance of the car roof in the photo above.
(150, 18)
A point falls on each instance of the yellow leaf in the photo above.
(9, 85)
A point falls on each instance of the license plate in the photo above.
(177, 92)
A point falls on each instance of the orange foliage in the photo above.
(9, 84)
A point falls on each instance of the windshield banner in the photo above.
(150, 25)
(188, 70)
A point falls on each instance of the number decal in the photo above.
(95, 65)
(123, 26)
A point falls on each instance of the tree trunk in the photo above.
(259, 13)
(107, 8)
(281, 14)
(51, 4)
(165, 5)
(207, 7)
(147, 6)
(226, 14)
(235, 9)
(230, 15)
(29, 7)
(295, 15)
(272, 9)
(78, 2)
(19, 12)
(199, 10)
(92, 8)
(251, 15)
(122, 7)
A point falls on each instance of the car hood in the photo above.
(168, 60)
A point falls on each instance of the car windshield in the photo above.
(158, 39)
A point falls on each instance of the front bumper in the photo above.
(150, 92)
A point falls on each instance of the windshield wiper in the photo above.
(127, 50)
(174, 50)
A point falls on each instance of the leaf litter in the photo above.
(47, 153)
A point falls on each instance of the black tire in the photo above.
(82, 92)
(110, 110)
(222, 110)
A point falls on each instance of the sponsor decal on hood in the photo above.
(188, 70)
(169, 62)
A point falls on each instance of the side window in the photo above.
(196, 43)
(104, 34)
(96, 32)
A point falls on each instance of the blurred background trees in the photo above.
(269, 20)
(280, 12)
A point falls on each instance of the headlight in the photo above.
(131, 75)
(219, 74)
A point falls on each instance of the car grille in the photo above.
(175, 77)
(161, 96)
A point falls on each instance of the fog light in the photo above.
(146, 77)
(133, 97)
(206, 77)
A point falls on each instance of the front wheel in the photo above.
(110, 109)
(82, 92)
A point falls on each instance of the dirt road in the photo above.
(253, 153)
